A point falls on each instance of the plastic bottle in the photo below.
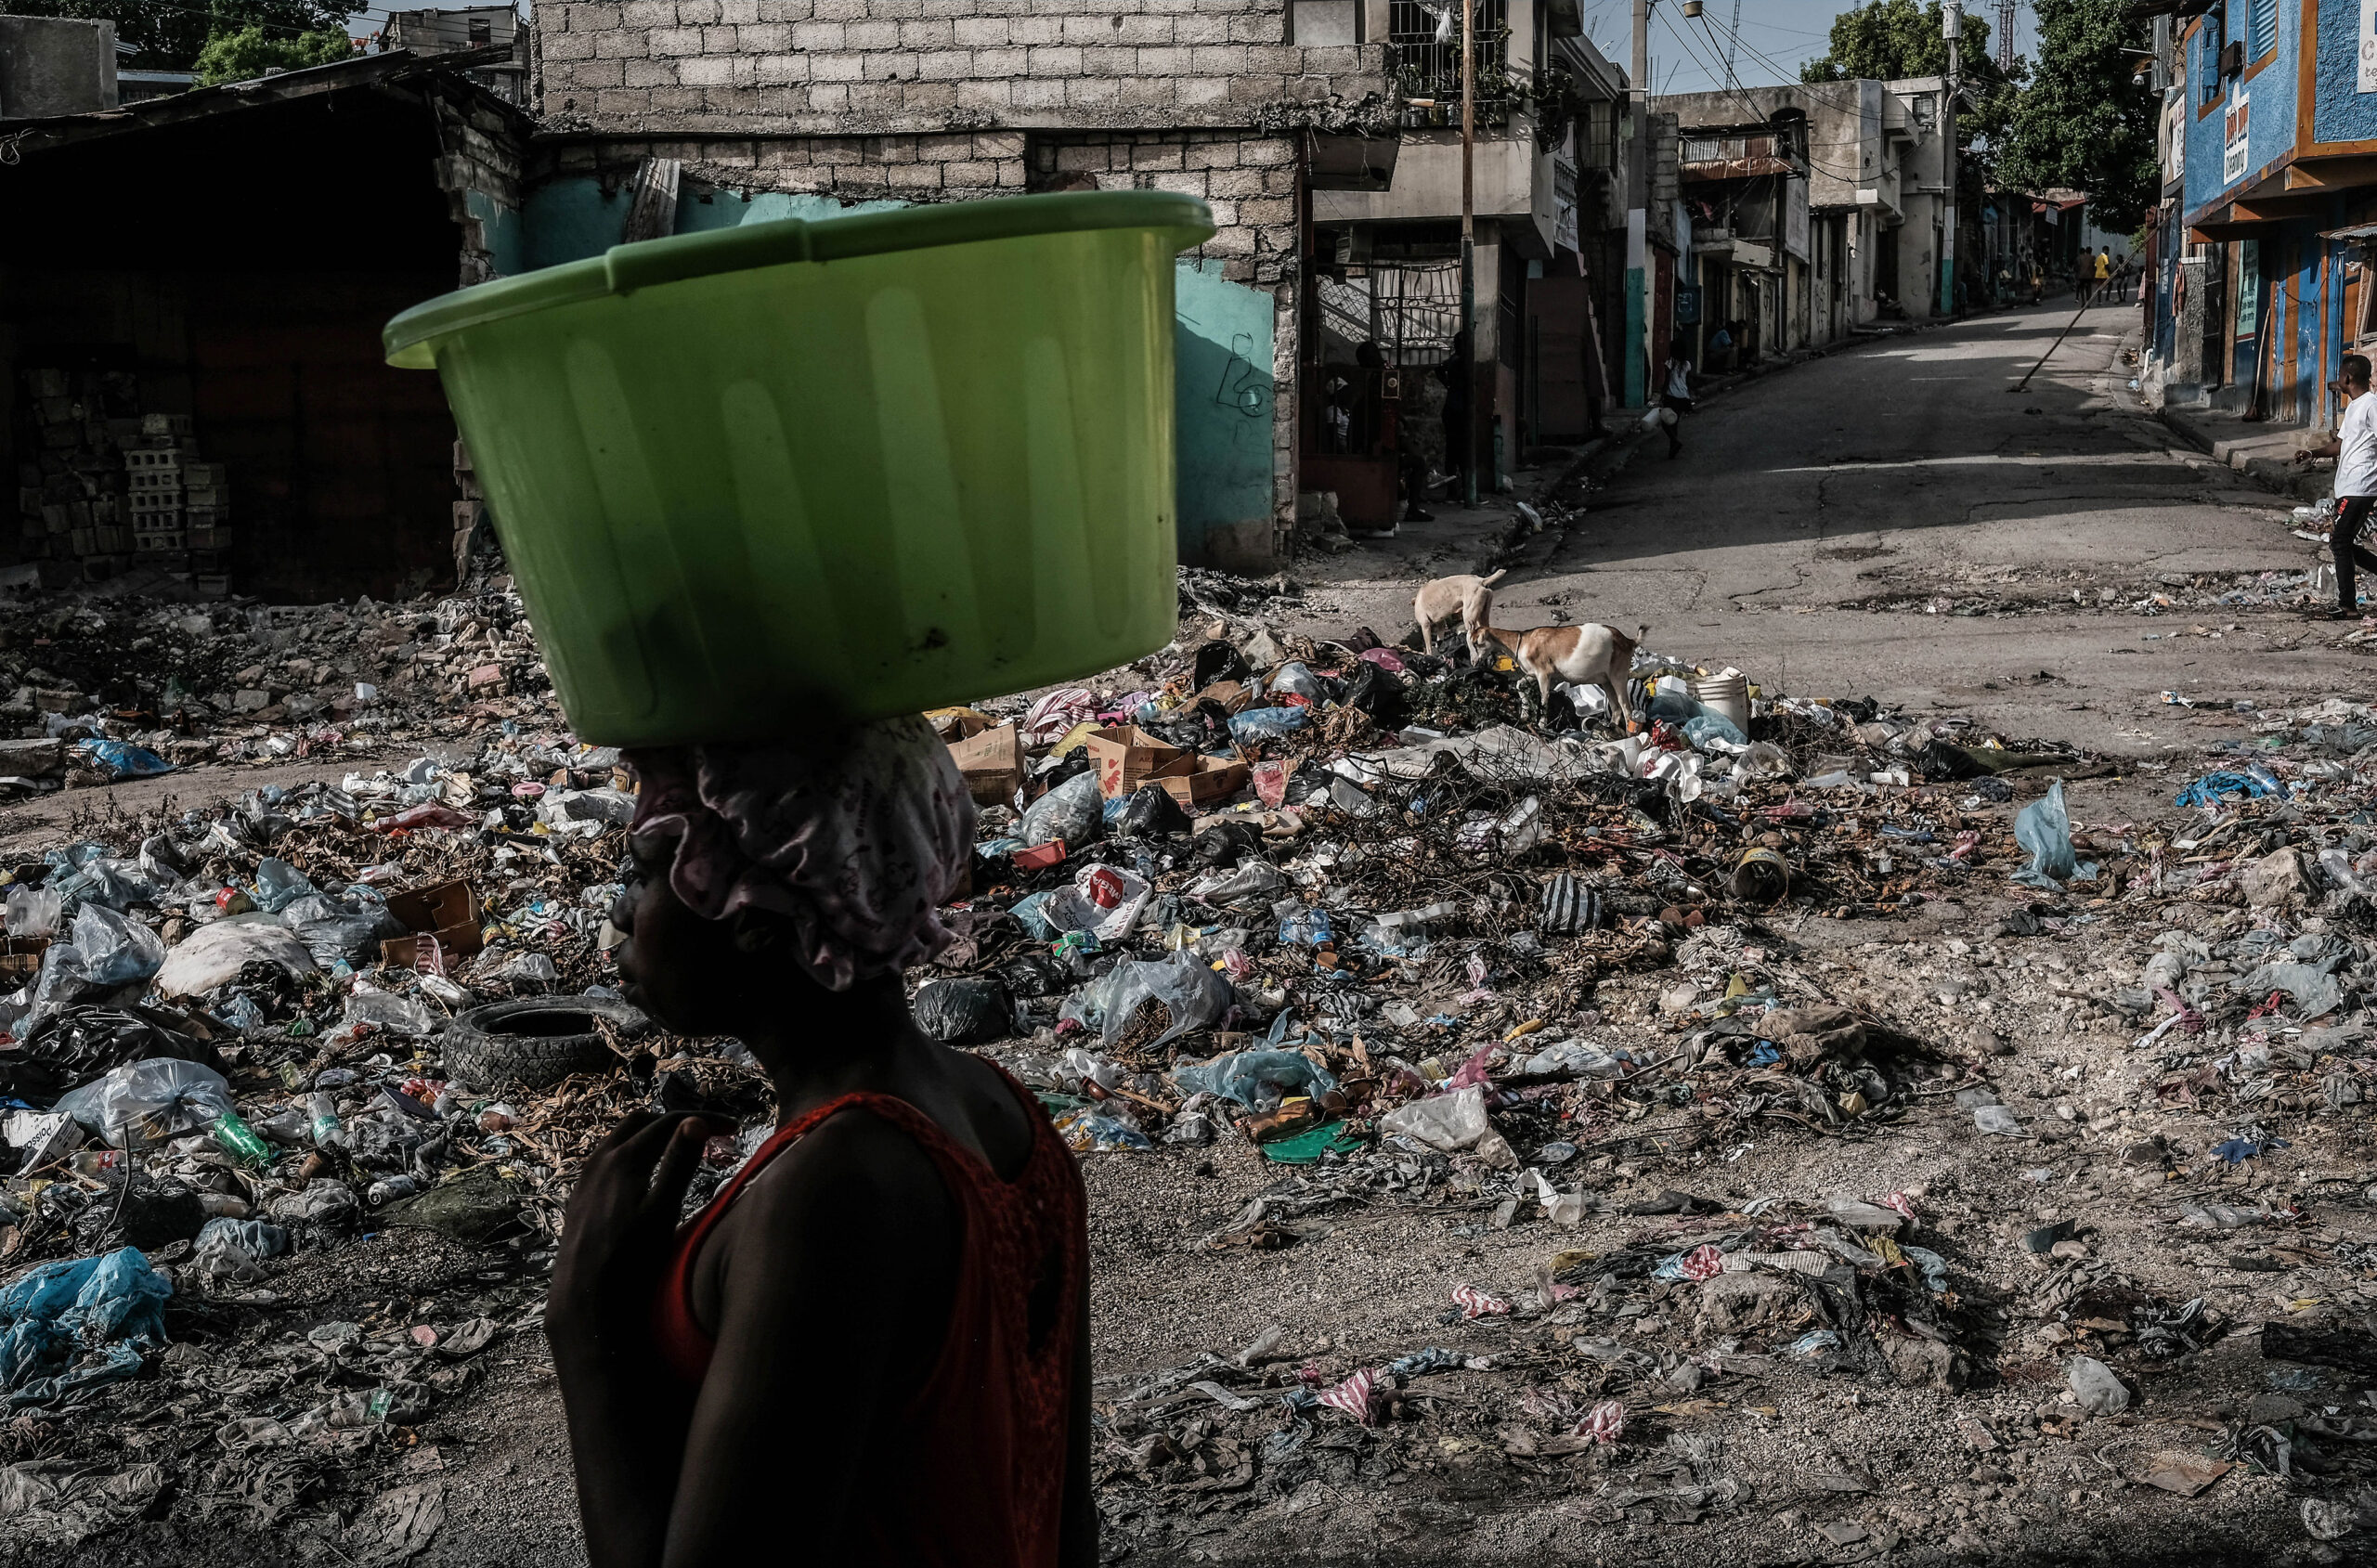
(390, 1189)
(322, 1113)
(240, 1140)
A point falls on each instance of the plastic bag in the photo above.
(2314, 990)
(116, 951)
(78, 1043)
(1149, 812)
(279, 885)
(1764, 759)
(55, 1315)
(115, 882)
(2044, 827)
(1447, 1122)
(1192, 994)
(230, 1251)
(961, 1012)
(121, 759)
(146, 1102)
(34, 912)
(1372, 690)
(60, 983)
(1708, 726)
(1070, 815)
(211, 957)
(1255, 1077)
(1103, 898)
(340, 927)
(389, 1010)
(1088, 1132)
(1295, 679)
(1267, 724)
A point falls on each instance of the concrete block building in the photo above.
(754, 109)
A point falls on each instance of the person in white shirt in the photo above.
(2354, 449)
(1678, 399)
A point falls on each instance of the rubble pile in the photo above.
(158, 683)
(1657, 1033)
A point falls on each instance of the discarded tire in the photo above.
(535, 1041)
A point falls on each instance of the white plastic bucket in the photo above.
(1728, 694)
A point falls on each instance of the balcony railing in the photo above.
(1423, 59)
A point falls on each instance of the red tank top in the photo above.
(983, 1444)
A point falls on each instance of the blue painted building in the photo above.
(2269, 155)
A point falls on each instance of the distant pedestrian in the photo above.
(2103, 270)
(2354, 449)
(1676, 399)
(1460, 429)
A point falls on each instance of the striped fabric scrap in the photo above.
(1474, 1303)
(1354, 1396)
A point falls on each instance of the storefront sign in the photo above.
(2236, 136)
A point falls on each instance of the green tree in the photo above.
(2082, 123)
(1884, 39)
(251, 52)
(168, 37)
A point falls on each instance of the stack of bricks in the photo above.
(108, 486)
(152, 476)
(206, 511)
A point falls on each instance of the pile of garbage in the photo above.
(102, 687)
(1385, 922)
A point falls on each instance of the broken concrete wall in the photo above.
(478, 168)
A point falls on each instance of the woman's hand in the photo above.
(617, 1233)
(626, 1416)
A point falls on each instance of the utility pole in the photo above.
(1469, 236)
(1951, 22)
(1638, 218)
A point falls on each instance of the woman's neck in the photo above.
(831, 1043)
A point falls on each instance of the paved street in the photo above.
(1816, 511)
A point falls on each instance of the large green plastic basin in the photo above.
(752, 479)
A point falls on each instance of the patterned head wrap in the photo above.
(855, 843)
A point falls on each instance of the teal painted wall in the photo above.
(1222, 409)
(1222, 349)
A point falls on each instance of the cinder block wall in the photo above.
(940, 100)
(840, 66)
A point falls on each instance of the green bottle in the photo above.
(238, 1139)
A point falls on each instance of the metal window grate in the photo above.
(1416, 309)
(1423, 45)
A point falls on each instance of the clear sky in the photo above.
(1687, 54)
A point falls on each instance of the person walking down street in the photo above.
(1460, 433)
(2103, 271)
(1676, 395)
(2354, 449)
